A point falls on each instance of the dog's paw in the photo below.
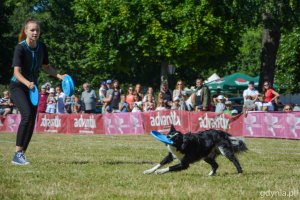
(212, 173)
(149, 171)
(162, 171)
(153, 169)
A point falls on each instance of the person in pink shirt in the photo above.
(130, 97)
(270, 96)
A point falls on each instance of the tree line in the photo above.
(136, 41)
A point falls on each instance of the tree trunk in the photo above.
(270, 43)
(164, 72)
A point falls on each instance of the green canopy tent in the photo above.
(234, 83)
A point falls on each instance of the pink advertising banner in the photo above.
(12, 122)
(123, 123)
(272, 124)
(162, 120)
(254, 124)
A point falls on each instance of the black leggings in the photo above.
(20, 97)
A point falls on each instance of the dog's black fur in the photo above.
(192, 147)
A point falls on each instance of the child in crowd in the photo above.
(5, 104)
(123, 105)
(249, 104)
(149, 104)
(102, 91)
(220, 107)
(68, 103)
(175, 104)
(259, 103)
(137, 104)
(51, 102)
(228, 108)
(77, 106)
(162, 104)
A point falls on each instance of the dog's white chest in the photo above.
(175, 153)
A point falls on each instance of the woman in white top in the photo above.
(180, 94)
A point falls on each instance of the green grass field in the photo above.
(111, 167)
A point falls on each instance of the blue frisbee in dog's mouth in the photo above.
(161, 137)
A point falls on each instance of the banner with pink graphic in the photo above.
(272, 124)
(123, 123)
(254, 124)
(12, 122)
(161, 121)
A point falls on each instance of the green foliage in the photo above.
(288, 62)
(248, 59)
(127, 36)
(130, 40)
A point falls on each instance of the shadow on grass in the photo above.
(114, 162)
(121, 162)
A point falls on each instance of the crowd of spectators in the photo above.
(111, 98)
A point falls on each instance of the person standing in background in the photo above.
(61, 99)
(202, 96)
(89, 98)
(43, 96)
(250, 91)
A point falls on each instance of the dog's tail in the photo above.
(238, 144)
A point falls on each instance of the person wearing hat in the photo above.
(30, 55)
(228, 108)
(175, 104)
(220, 107)
(106, 101)
(250, 92)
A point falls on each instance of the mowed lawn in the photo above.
(111, 167)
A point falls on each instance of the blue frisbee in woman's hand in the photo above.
(34, 96)
(68, 85)
(161, 137)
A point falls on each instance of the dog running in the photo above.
(192, 147)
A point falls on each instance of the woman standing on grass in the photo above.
(29, 56)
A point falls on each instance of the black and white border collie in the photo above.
(207, 145)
